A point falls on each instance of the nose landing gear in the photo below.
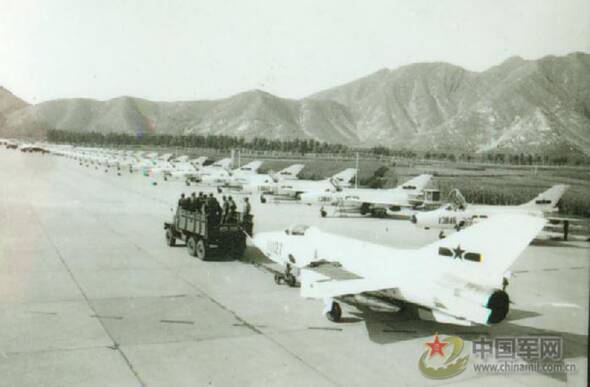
(286, 278)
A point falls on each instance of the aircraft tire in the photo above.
(335, 313)
(291, 280)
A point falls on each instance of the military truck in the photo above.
(207, 237)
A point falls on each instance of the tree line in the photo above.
(294, 146)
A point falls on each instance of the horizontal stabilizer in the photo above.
(445, 318)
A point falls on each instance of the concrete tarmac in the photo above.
(90, 295)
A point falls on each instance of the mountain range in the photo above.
(533, 106)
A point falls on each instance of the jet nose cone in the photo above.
(413, 219)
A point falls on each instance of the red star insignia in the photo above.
(436, 346)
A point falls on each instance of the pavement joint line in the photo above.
(41, 312)
(88, 303)
(250, 326)
(52, 350)
(256, 330)
(187, 322)
(107, 317)
(325, 329)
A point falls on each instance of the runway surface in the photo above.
(90, 295)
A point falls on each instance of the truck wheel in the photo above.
(170, 240)
(191, 246)
(201, 250)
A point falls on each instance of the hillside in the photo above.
(517, 106)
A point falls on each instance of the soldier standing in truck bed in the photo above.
(213, 209)
(182, 201)
(224, 209)
(193, 202)
(247, 217)
(200, 203)
(231, 216)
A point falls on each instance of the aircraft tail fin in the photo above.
(494, 244)
(251, 166)
(343, 178)
(290, 172)
(547, 201)
(417, 184)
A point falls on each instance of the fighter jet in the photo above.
(459, 280)
(181, 167)
(221, 176)
(264, 183)
(216, 173)
(293, 189)
(372, 201)
(459, 214)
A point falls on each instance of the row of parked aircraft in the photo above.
(460, 279)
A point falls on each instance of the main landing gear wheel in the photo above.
(291, 280)
(262, 199)
(323, 212)
(441, 235)
(170, 240)
(335, 313)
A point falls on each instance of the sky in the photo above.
(173, 50)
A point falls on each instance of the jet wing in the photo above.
(317, 285)
(332, 270)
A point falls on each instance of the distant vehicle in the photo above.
(205, 238)
(461, 279)
(459, 214)
(372, 201)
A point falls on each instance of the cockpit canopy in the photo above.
(297, 229)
